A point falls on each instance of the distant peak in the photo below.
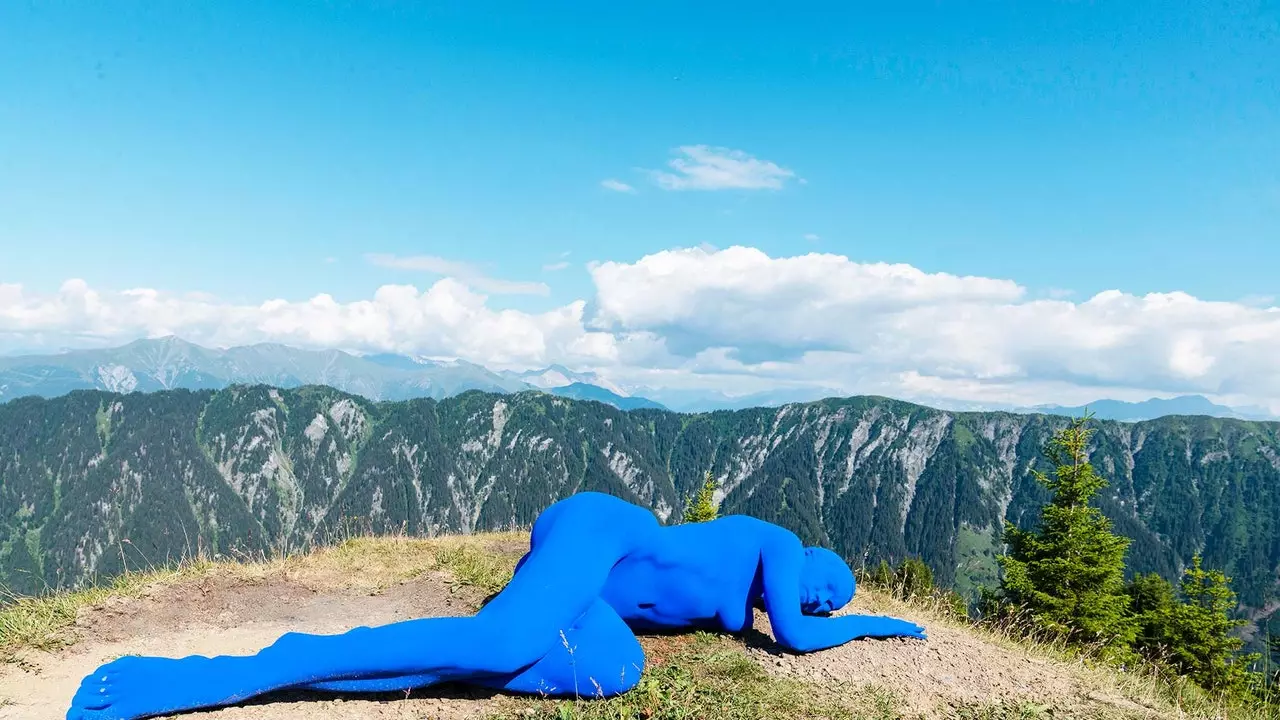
(158, 340)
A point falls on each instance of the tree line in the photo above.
(1064, 580)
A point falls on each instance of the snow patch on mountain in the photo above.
(117, 378)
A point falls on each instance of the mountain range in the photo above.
(170, 363)
(93, 482)
(1154, 408)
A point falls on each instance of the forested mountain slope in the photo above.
(93, 481)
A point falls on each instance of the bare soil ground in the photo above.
(955, 668)
(234, 613)
(232, 616)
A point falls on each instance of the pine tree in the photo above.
(1202, 645)
(1152, 601)
(1067, 575)
(703, 507)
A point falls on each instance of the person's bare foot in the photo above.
(139, 687)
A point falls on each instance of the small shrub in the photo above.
(912, 581)
(702, 508)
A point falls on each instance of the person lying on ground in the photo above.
(598, 570)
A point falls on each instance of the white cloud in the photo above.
(446, 319)
(865, 327)
(616, 186)
(702, 167)
(555, 266)
(739, 320)
(461, 271)
(812, 237)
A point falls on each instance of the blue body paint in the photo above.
(598, 570)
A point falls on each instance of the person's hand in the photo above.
(893, 627)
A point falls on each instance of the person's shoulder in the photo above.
(749, 520)
(762, 529)
(739, 520)
(598, 499)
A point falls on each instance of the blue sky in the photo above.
(262, 150)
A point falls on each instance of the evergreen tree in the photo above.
(703, 507)
(1152, 602)
(1202, 645)
(1067, 575)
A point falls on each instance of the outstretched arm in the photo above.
(782, 557)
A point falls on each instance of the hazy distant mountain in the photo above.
(171, 363)
(1154, 408)
(682, 400)
(583, 391)
(558, 376)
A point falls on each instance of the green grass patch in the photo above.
(964, 436)
(1005, 711)
(976, 565)
(712, 678)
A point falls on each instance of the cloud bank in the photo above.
(739, 320)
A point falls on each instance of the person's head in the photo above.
(826, 582)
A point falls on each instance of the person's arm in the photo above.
(782, 557)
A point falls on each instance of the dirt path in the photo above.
(225, 615)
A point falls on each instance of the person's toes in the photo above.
(91, 696)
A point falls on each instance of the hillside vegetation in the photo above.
(92, 483)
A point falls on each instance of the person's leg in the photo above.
(598, 656)
(560, 579)
(542, 528)
(137, 687)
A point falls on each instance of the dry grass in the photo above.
(484, 562)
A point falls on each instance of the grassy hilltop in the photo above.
(963, 671)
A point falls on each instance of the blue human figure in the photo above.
(598, 570)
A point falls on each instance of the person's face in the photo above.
(826, 582)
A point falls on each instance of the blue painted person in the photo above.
(598, 570)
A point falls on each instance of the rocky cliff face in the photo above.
(94, 482)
